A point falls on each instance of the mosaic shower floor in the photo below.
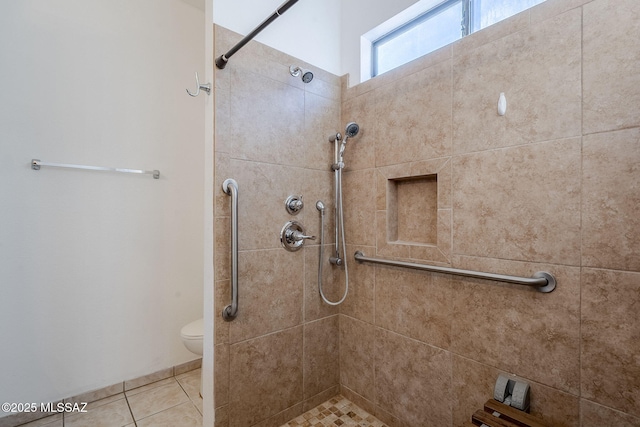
(337, 411)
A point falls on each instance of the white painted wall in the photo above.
(309, 30)
(98, 271)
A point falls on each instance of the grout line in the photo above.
(130, 411)
(580, 342)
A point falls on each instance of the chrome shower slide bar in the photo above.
(230, 187)
(35, 165)
(542, 281)
(222, 60)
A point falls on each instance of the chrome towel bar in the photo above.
(230, 187)
(542, 281)
(35, 165)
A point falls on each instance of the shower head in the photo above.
(351, 130)
(307, 76)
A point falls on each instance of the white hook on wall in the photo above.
(502, 104)
(205, 87)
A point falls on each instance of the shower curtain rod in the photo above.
(222, 60)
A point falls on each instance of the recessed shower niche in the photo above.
(414, 210)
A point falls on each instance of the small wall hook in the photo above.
(205, 87)
(502, 104)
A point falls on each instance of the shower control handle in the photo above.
(292, 236)
(297, 236)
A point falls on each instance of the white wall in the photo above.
(98, 271)
(309, 30)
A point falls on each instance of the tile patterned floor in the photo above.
(171, 402)
(176, 402)
(337, 411)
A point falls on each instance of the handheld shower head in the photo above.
(351, 130)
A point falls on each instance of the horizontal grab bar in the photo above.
(542, 281)
(35, 165)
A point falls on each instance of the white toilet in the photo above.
(192, 338)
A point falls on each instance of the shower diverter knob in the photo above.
(294, 204)
(292, 236)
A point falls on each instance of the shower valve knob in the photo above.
(294, 204)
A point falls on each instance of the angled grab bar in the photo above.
(542, 281)
(230, 187)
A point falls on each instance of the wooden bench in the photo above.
(508, 417)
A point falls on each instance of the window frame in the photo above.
(469, 23)
(412, 23)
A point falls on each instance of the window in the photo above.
(426, 27)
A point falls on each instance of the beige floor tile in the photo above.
(115, 413)
(156, 400)
(52, 421)
(184, 415)
(190, 383)
(151, 386)
(148, 379)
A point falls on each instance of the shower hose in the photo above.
(339, 220)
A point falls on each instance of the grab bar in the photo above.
(35, 165)
(542, 281)
(230, 187)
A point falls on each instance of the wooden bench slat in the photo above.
(490, 420)
(515, 416)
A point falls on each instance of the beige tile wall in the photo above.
(279, 357)
(552, 185)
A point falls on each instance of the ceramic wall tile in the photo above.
(359, 207)
(520, 203)
(415, 304)
(357, 356)
(321, 120)
(611, 339)
(321, 356)
(414, 117)
(263, 113)
(267, 377)
(610, 200)
(594, 415)
(611, 90)
(413, 380)
(271, 294)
